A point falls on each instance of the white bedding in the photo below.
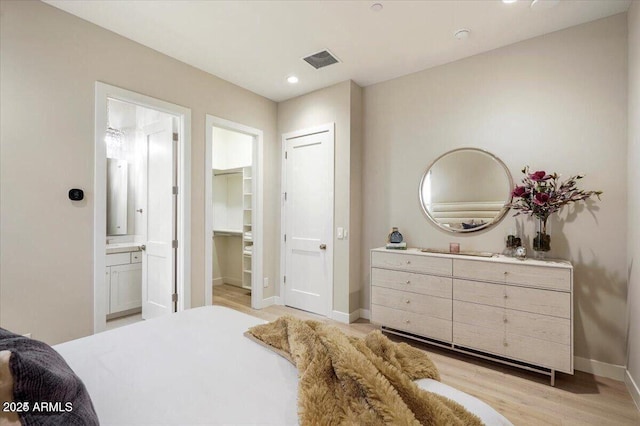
(196, 368)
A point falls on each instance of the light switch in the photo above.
(340, 233)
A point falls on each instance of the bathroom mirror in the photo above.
(466, 190)
(117, 193)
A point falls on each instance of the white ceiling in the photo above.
(257, 44)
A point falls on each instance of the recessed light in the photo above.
(376, 7)
(292, 79)
(543, 4)
(462, 34)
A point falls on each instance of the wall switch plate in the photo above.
(340, 233)
(265, 282)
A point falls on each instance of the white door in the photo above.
(308, 218)
(158, 264)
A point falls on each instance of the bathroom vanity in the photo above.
(123, 279)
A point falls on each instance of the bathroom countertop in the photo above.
(122, 247)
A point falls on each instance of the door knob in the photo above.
(323, 246)
(143, 247)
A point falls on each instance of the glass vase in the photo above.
(542, 240)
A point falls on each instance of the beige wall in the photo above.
(355, 203)
(633, 363)
(556, 102)
(50, 63)
(331, 105)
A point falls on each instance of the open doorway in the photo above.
(141, 226)
(233, 210)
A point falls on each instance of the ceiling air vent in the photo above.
(321, 59)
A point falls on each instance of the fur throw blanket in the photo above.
(347, 380)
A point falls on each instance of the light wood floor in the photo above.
(525, 398)
(122, 321)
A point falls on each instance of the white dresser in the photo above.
(512, 311)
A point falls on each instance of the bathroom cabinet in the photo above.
(124, 281)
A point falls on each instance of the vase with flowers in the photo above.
(540, 195)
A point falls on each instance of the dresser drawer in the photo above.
(546, 302)
(482, 315)
(411, 322)
(409, 281)
(418, 303)
(543, 327)
(481, 338)
(539, 352)
(529, 275)
(479, 292)
(136, 257)
(411, 262)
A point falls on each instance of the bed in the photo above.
(197, 367)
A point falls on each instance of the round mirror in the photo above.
(466, 190)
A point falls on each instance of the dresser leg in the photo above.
(553, 378)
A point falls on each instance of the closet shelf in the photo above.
(235, 171)
(227, 232)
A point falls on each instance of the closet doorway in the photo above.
(233, 208)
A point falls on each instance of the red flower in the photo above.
(519, 191)
(540, 175)
(541, 198)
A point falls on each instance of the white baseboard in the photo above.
(232, 281)
(346, 318)
(218, 281)
(633, 388)
(340, 317)
(268, 302)
(365, 313)
(599, 368)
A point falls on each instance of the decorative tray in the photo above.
(462, 253)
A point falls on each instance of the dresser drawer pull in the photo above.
(408, 282)
(407, 301)
(505, 296)
(408, 262)
(504, 320)
(407, 321)
(505, 343)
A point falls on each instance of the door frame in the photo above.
(103, 92)
(257, 152)
(330, 129)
